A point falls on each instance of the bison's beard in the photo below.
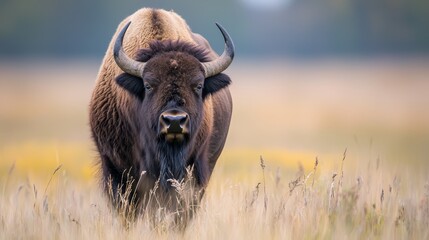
(172, 159)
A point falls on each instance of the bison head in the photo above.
(171, 80)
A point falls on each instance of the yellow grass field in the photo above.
(288, 112)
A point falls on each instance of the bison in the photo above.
(160, 111)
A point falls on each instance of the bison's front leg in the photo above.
(119, 185)
(201, 169)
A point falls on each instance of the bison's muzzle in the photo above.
(174, 125)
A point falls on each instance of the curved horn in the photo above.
(126, 63)
(221, 63)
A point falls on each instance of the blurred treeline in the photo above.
(81, 28)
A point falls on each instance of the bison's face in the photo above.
(172, 91)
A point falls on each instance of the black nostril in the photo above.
(183, 119)
(166, 119)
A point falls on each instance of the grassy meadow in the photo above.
(321, 149)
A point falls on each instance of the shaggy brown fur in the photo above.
(123, 115)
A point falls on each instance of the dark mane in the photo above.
(156, 47)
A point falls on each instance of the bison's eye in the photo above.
(198, 88)
(148, 87)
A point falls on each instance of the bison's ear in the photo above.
(215, 83)
(132, 84)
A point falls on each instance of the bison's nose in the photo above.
(174, 122)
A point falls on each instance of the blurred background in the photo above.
(292, 28)
(310, 78)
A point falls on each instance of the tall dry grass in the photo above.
(355, 201)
